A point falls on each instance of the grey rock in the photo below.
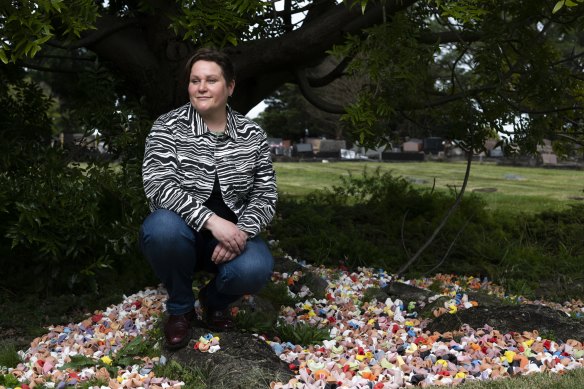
(244, 361)
(407, 293)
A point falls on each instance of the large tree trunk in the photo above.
(149, 56)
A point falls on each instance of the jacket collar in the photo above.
(199, 127)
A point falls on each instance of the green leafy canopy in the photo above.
(28, 25)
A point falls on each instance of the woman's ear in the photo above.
(231, 87)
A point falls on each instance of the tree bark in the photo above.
(151, 58)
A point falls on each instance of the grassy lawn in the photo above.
(505, 188)
(573, 379)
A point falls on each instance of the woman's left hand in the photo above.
(222, 254)
(227, 233)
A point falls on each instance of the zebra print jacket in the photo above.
(182, 158)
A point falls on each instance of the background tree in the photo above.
(457, 69)
(463, 69)
(284, 115)
(437, 67)
(288, 114)
(147, 43)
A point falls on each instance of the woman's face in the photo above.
(208, 89)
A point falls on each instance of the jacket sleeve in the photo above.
(262, 199)
(162, 182)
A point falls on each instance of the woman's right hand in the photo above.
(227, 233)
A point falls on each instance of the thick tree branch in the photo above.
(110, 28)
(313, 98)
(48, 69)
(286, 15)
(299, 49)
(149, 55)
(334, 74)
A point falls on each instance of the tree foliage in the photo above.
(460, 69)
(28, 25)
(24, 110)
(463, 69)
(568, 3)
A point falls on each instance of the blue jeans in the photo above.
(176, 251)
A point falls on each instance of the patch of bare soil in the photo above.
(494, 312)
(546, 321)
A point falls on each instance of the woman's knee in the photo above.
(249, 273)
(163, 227)
(263, 264)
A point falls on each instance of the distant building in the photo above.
(276, 146)
(433, 145)
(413, 146)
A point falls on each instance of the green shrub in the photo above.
(63, 226)
(302, 333)
(553, 231)
(67, 227)
(23, 117)
(544, 255)
(380, 221)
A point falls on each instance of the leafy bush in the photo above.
(380, 220)
(544, 254)
(23, 117)
(64, 226)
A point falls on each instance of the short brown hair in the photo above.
(213, 55)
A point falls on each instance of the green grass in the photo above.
(526, 189)
(9, 356)
(571, 380)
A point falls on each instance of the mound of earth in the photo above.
(548, 322)
(244, 361)
(493, 312)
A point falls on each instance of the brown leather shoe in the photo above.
(220, 320)
(177, 330)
